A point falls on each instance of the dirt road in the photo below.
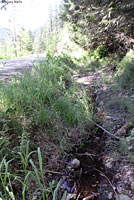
(16, 66)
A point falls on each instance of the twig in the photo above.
(89, 197)
(102, 174)
(86, 154)
(53, 172)
(112, 135)
(78, 196)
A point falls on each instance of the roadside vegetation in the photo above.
(46, 103)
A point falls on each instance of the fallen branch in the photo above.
(106, 131)
(123, 130)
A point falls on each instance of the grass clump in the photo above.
(124, 86)
(10, 182)
(125, 75)
(45, 96)
(43, 103)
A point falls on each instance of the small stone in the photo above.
(70, 196)
(126, 181)
(101, 103)
(132, 186)
(34, 198)
(75, 163)
(110, 195)
(119, 188)
(70, 134)
(120, 95)
(108, 117)
(124, 197)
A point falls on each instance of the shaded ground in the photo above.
(104, 92)
(16, 66)
(119, 179)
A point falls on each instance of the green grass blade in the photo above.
(25, 185)
(36, 172)
(56, 190)
(10, 193)
(64, 195)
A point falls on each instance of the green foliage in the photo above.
(35, 175)
(130, 140)
(48, 101)
(126, 71)
(126, 146)
(127, 104)
(24, 42)
(100, 52)
(45, 95)
(96, 23)
(39, 42)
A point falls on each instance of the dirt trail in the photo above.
(103, 90)
(122, 181)
(16, 66)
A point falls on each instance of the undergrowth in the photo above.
(124, 79)
(47, 102)
(125, 74)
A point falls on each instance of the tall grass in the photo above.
(36, 175)
(45, 96)
(46, 101)
(125, 75)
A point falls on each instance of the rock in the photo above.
(132, 186)
(124, 197)
(70, 196)
(101, 103)
(36, 197)
(119, 188)
(75, 163)
(110, 195)
(108, 117)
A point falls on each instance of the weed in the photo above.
(127, 104)
(125, 73)
(45, 101)
(45, 190)
(100, 52)
(5, 186)
(105, 79)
